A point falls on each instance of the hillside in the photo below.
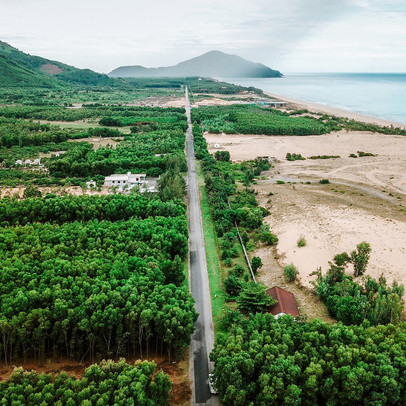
(210, 64)
(12, 74)
(25, 69)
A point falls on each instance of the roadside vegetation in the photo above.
(260, 360)
(232, 203)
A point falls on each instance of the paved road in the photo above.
(203, 338)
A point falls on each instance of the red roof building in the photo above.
(286, 302)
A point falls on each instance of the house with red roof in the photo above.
(286, 302)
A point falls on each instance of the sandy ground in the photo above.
(321, 108)
(100, 142)
(332, 221)
(386, 171)
(364, 202)
(58, 190)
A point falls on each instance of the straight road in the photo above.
(203, 338)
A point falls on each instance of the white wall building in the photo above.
(121, 180)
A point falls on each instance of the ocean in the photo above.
(381, 95)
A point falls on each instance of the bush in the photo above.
(232, 285)
(268, 238)
(238, 270)
(31, 191)
(256, 263)
(301, 242)
(324, 181)
(290, 272)
(222, 156)
(294, 157)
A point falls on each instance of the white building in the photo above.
(129, 180)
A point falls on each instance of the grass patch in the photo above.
(214, 269)
(301, 242)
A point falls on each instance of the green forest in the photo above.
(110, 383)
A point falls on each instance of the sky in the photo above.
(288, 35)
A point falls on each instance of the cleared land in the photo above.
(364, 201)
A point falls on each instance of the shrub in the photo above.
(31, 191)
(222, 156)
(342, 259)
(232, 285)
(290, 272)
(324, 181)
(362, 153)
(268, 238)
(256, 263)
(294, 157)
(301, 242)
(238, 270)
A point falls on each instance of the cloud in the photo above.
(101, 34)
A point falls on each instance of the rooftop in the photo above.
(286, 302)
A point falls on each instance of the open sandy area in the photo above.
(385, 171)
(364, 201)
(57, 190)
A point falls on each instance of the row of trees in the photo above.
(109, 383)
(57, 209)
(59, 113)
(263, 361)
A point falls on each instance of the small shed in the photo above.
(286, 302)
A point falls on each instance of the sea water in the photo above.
(381, 95)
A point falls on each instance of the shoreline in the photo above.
(321, 108)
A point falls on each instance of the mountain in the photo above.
(210, 64)
(12, 74)
(21, 69)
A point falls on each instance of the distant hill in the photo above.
(21, 69)
(210, 64)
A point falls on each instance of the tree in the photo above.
(222, 156)
(253, 298)
(342, 259)
(232, 285)
(256, 263)
(360, 258)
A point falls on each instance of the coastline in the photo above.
(321, 108)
